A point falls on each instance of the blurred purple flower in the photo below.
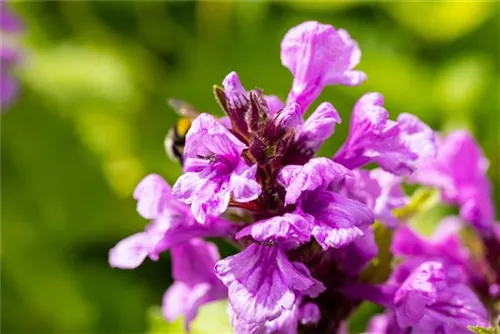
(444, 245)
(173, 223)
(459, 170)
(195, 283)
(396, 146)
(10, 24)
(428, 300)
(378, 190)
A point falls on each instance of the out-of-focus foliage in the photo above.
(482, 330)
(212, 318)
(92, 117)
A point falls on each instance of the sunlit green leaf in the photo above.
(442, 20)
(420, 201)
(380, 267)
(482, 330)
(211, 318)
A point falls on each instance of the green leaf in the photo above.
(211, 318)
(482, 330)
(158, 325)
(422, 200)
(441, 21)
(380, 267)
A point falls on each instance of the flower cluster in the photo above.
(307, 228)
(10, 25)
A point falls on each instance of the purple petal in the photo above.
(178, 227)
(130, 252)
(309, 314)
(193, 261)
(317, 173)
(8, 89)
(274, 104)
(397, 147)
(242, 327)
(417, 292)
(208, 194)
(243, 184)
(214, 169)
(290, 230)
(337, 220)
(262, 282)
(429, 301)
(226, 122)
(288, 173)
(9, 21)
(318, 127)
(417, 136)
(353, 258)
(392, 196)
(152, 195)
(378, 324)
(207, 136)
(362, 187)
(232, 85)
(212, 199)
(183, 300)
(286, 323)
(195, 281)
(380, 191)
(9, 55)
(317, 55)
(238, 96)
(445, 244)
(459, 170)
(289, 117)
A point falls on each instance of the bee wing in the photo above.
(169, 144)
(183, 108)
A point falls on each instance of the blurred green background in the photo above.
(92, 116)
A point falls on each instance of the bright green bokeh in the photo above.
(92, 116)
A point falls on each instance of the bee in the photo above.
(176, 135)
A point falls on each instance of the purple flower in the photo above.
(396, 146)
(195, 283)
(336, 220)
(428, 300)
(9, 55)
(353, 258)
(9, 22)
(238, 96)
(444, 244)
(378, 190)
(318, 127)
(318, 55)
(459, 170)
(172, 223)
(288, 118)
(274, 104)
(290, 230)
(263, 283)
(307, 314)
(311, 134)
(308, 252)
(215, 172)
